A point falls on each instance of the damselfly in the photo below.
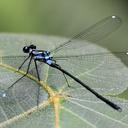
(71, 51)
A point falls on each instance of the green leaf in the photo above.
(60, 106)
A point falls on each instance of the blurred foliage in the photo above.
(56, 17)
(64, 18)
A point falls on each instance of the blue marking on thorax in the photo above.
(45, 56)
(35, 52)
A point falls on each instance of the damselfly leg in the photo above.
(36, 68)
(23, 62)
(23, 75)
(66, 80)
(38, 89)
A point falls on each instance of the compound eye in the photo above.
(26, 49)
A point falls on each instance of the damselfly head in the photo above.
(26, 49)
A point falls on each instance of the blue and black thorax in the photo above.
(42, 56)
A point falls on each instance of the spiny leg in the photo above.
(38, 91)
(23, 62)
(23, 75)
(66, 80)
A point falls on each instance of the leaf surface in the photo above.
(61, 106)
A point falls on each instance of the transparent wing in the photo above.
(96, 66)
(94, 33)
(107, 72)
